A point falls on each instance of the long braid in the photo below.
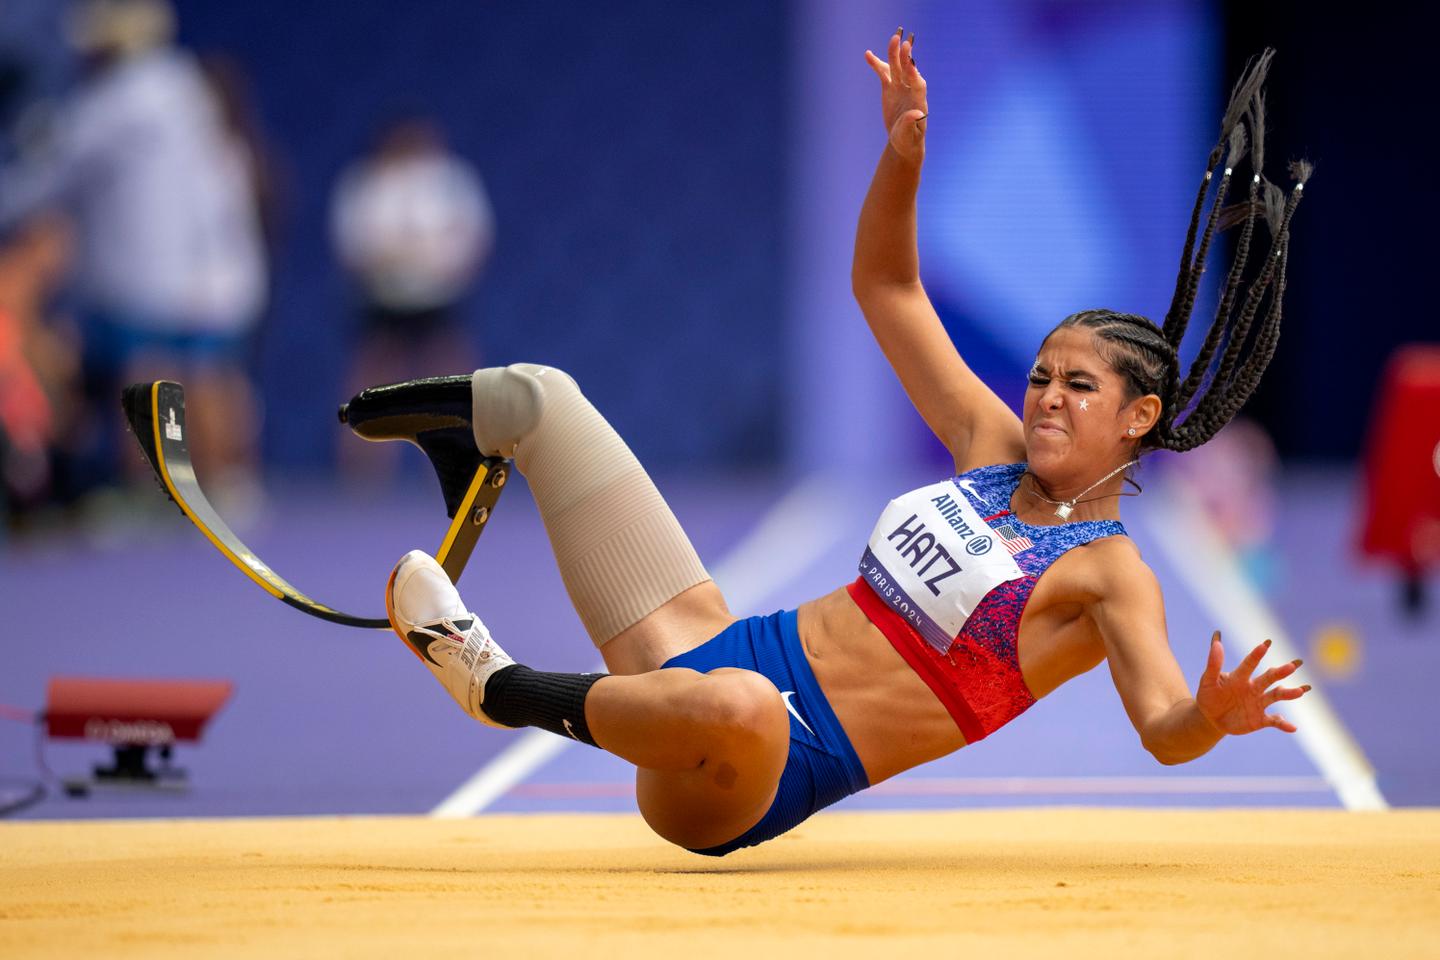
(1234, 153)
(1227, 302)
(1225, 395)
(1229, 388)
(1279, 225)
(1269, 335)
(1198, 269)
(1147, 356)
(1205, 423)
(1248, 377)
(1255, 117)
(1177, 317)
(1228, 391)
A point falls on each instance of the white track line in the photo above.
(1208, 566)
(530, 751)
(795, 533)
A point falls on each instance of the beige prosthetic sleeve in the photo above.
(620, 549)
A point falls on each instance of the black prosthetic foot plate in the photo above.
(434, 414)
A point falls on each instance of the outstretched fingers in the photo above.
(881, 68)
(1251, 661)
(899, 63)
(902, 94)
(1215, 661)
(1271, 697)
(1280, 723)
(1284, 693)
(1275, 674)
(907, 61)
(892, 53)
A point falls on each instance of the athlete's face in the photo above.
(1076, 412)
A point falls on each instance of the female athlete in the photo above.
(977, 595)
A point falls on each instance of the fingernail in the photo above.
(1298, 662)
(1267, 643)
(1306, 688)
(912, 39)
(900, 31)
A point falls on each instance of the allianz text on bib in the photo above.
(933, 559)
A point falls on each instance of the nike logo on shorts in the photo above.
(786, 695)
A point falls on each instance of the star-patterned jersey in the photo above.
(946, 577)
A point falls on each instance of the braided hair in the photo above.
(1219, 381)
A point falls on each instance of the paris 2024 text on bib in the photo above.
(933, 559)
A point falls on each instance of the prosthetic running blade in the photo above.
(471, 484)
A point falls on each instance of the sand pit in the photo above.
(1052, 883)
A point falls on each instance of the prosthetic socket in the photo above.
(620, 550)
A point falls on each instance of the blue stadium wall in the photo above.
(632, 152)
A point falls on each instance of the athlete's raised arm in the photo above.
(1174, 725)
(974, 424)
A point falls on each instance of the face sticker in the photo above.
(1084, 403)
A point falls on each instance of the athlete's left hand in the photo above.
(1233, 702)
(903, 104)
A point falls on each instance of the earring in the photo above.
(1130, 432)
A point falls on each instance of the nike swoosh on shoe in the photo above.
(420, 639)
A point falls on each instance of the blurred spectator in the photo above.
(412, 226)
(170, 275)
(39, 362)
(1234, 477)
(240, 118)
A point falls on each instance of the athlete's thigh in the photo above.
(677, 626)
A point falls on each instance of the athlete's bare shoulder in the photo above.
(1121, 571)
(1116, 549)
(1107, 569)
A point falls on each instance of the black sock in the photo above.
(520, 697)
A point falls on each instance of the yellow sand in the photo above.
(992, 885)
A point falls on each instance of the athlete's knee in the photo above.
(741, 709)
(510, 402)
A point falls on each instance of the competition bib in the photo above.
(933, 559)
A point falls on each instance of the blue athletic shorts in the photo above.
(822, 767)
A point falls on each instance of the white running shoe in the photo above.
(426, 611)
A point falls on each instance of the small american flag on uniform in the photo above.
(1012, 539)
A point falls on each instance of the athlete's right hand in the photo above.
(902, 96)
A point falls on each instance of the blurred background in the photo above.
(280, 203)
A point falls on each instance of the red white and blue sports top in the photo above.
(946, 577)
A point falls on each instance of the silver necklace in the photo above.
(1063, 508)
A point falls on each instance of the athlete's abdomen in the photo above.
(892, 717)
